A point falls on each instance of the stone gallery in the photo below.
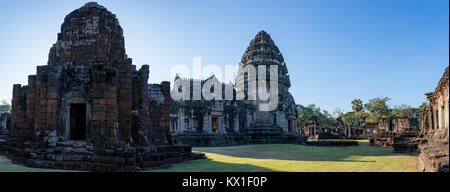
(89, 108)
(433, 139)
(205, 122)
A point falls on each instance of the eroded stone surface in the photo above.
(5, 124)
(90, 92)
(434, 136)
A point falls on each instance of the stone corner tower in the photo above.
(88, 90)
(263, 51)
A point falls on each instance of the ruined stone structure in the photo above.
(234, 121)
(395, 124)
(5, 124)
(396, 132)
(313, 130)
(434, 136)
(89, 108)
(383, 133)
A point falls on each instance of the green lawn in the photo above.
(299, 158)
(284, 157)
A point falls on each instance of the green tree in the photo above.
(350, 119)
(357, 105)
(324, 118)
(5, 107)
(404, 111)
(377, 108)
(303, 114)
(420, 109)
(358, 108)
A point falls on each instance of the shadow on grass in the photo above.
(302, 153)
(209, 165)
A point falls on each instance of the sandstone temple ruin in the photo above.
(232, 121)
(89, 108)
(434, 136)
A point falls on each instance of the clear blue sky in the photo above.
(335, 50)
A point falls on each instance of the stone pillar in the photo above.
(446, 113)
(191, 120)
(180, 120)
(165, 112)
(104, 105)
(283, 122)
(205, 123)
(250, 119)
(30, 103)
(436, 117)
(236, 123)
(430, 117)
(209, 124)
(294, 123)
(18, 114)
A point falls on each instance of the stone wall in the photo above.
(434, 136)
(5, 124)
(313, 130)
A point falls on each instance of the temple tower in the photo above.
(86, 91)
(262, 51)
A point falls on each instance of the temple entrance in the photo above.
(78, 122)
(214, 124)
(290, 126)
(275, 119)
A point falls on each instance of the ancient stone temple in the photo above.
(89, 108)
(434, 135)
(262, 51)
(238, 120)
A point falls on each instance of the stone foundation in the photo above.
(82, 156)
(434, 136)
(383, 139)
(406, 142)
(432, 160)
(434, 151)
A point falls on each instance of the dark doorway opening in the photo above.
(275, 119)
(214, 124)
(290, 126)
(78, 122)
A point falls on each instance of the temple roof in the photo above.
(262, 49)
(93, 4)
(89, 34)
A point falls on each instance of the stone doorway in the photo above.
(214, 124)
(290, 126)
(78, 122)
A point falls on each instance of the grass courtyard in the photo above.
(299, 158)
(284, 157)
